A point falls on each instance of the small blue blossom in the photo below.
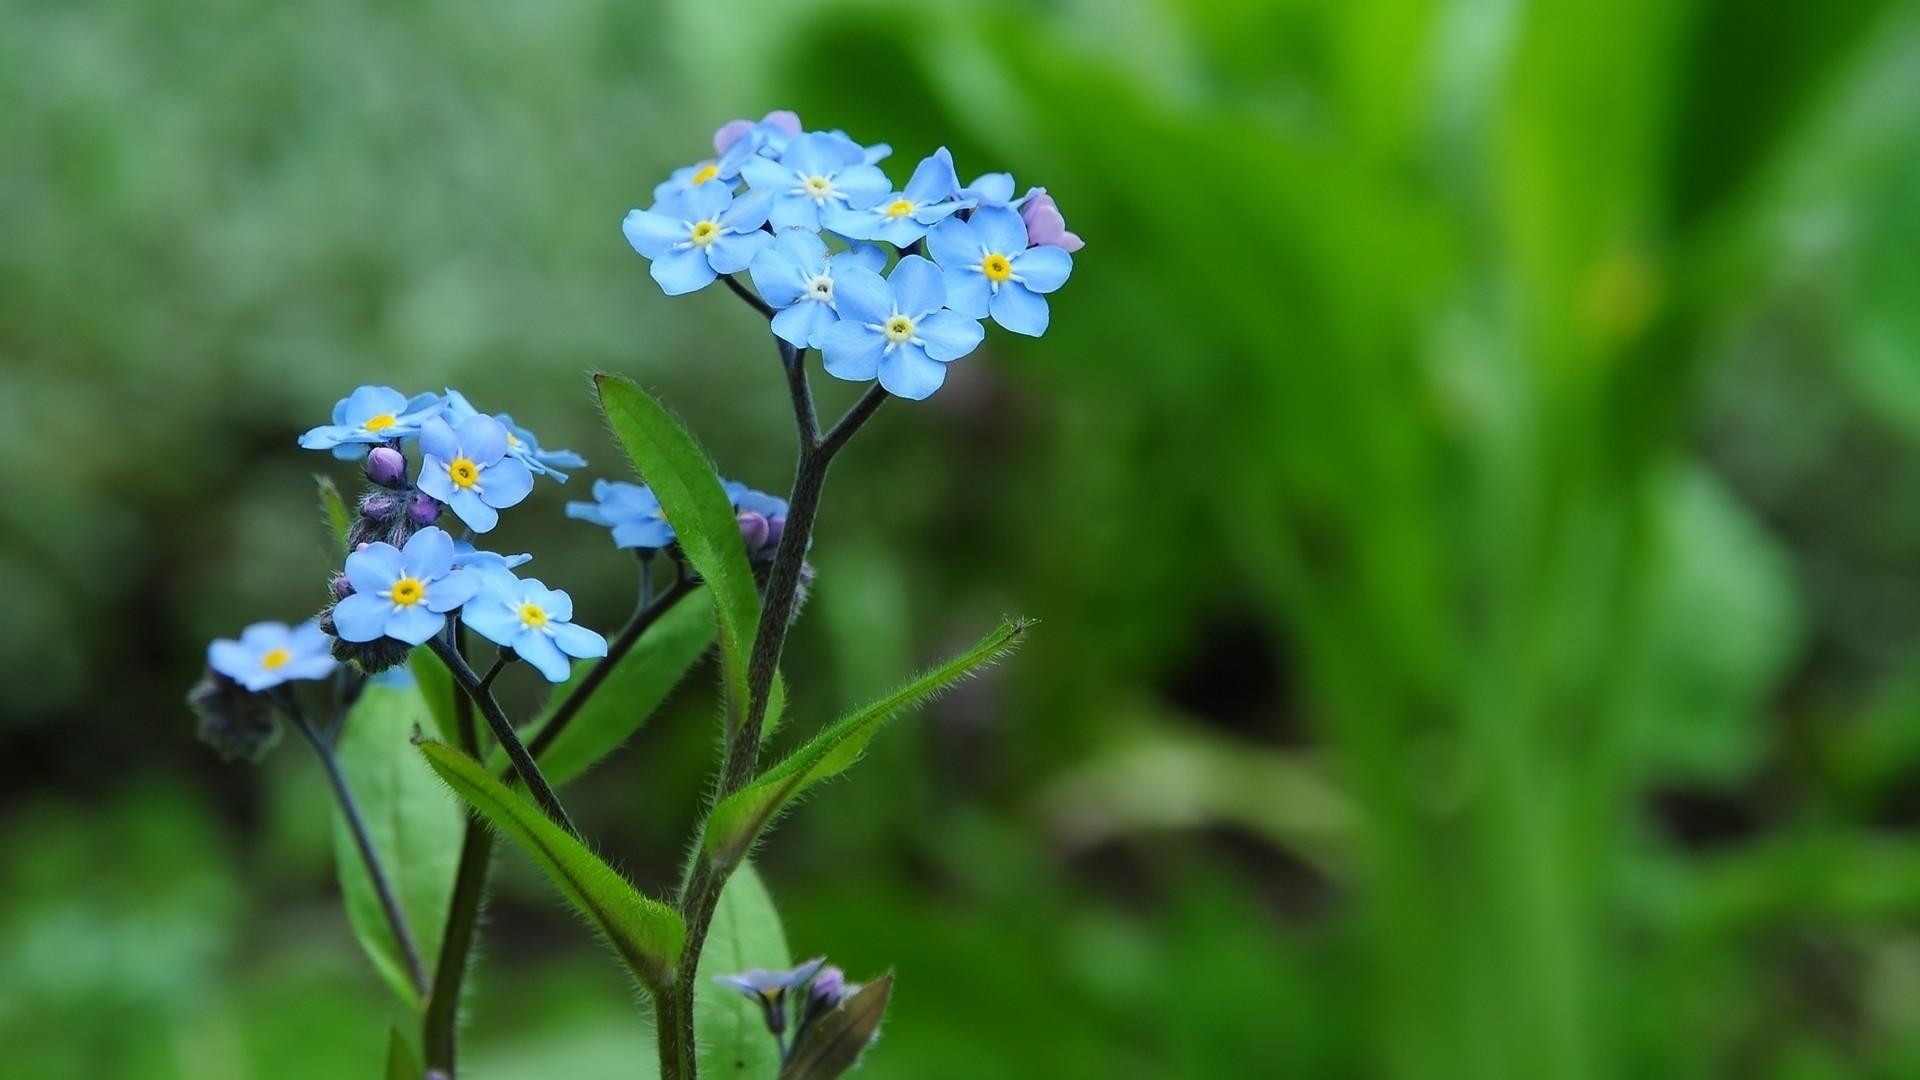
(904, 216)
(817, 174)
(872, 154)
(898, 329)
(521, 443)
(795, 276)
(368, 416)
(535, 622)
(468, 469)
(632, 511)
(271, 653)
(403, 594)
(696, 235)
(771, 989)
(723, 168)
(991, 270)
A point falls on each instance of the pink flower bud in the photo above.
(387, 467)
(1045, 225)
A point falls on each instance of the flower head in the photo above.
(771, 988)
(368, 416)
(402, 594)
(270, 653)
(991, 269)
(534, 621)
(1045, 225)
(905, 215)
(794, 275)
(696, 235)
(632, 511)
(521, 443)
(817, 174)
(898, 329)
(468, 469)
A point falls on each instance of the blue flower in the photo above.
(770, 989)
(535, 622)
(897, 328)
(795, 276)
(699, 234)
(468, 469)
(817, 174)
(370, 415)
(521, 443)
(991, 270)
(723, 169)
(904, 216)
(270, 653)
(403, 594)
(630, 510)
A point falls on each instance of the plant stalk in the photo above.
(523, 762)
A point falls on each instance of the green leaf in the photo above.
(745, 933)
(631, 692)
(413, 824)
(738, 821)
(335, 509)
(683, 478)
(646, 933)
(835, 1042)
(436, 688)
(402, 1062)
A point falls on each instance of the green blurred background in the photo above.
(1466, 493)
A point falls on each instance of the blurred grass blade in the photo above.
(335, 509)
(436, 688)
(646, 933)
(740, 818)
(413, 825)
(745, 934)
(681, 475)
(835, 1042)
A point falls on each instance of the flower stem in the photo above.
(523, 762)
(743, 293)
(350, 809)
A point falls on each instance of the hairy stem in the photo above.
(441, 1024)
(509, 739)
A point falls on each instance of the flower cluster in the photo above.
(805, 215)
(793, 999)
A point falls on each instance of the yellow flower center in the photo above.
(275, 659)
(705, 173)
(818, 187)
(533, 616)
(899, 329)
(463, 472)
(408, 591)
(512, 439)
(704, 233)
(899, 208)
(996, 267)
(381, 423)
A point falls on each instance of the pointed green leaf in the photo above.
(745, 933)
(436, 688)
(646, 933)
(835, 1042)
(680, 474)
(414, 825)
(335, 509)
(739, 819)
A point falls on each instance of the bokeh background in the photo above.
(1467, 491)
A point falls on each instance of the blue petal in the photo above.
(1043, 269)
(804, 325)
(651, 234)
(851, 351)
(953, 244)
(1000, 229)
(909, 373)
(917, 287)
(589, 512)
(935, 213)
(933, 179)
(950, 335)
(557, 604)
(734, 252)
(853, 224)
(568, 458)
(653, 533)
(367, 402)
(375, 567)
(428, 554)
(414, 624)
(308, 638)
(482, 439)
(992, 189)
(437, 440)
(766, 175)
(579, 641)
(539, 650)
(421, 406)
(777, 274)
(506, 483)
(468, 507)
(703, 202)
(792, 211)
(898, 231)
(862, 295)
(433, 478)
(361, 617)
(683, 271)
(309, 667)
(325, 437)
(870, 256)
(456, 589)
(492, 618)
(819, 154)
(968, 292)
(748, 212)
(1020, 309)
(863, 185)
(232, 659)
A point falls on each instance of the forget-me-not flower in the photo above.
(535, 622)
(897, 328)
(632, 511)
(270, 653)
(991, 270)
(403, 593)
(771, 988)
(818, 173)
(521, 443)
(698, 234)
(468, 468)
(905, 215)
(795, 276)
(370, 415)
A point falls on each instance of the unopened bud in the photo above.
(340, 587)
(424, 510)
(387, 467)
(776, 528)
(376, 506)
(828, 988)
(753, 529)
(240, 726)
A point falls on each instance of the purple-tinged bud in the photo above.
(776, 528)
(1045, 225)
(340, 587)
(753, 529)
(424, 510)
(387, 467)
(829, 989)
(376, 507)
